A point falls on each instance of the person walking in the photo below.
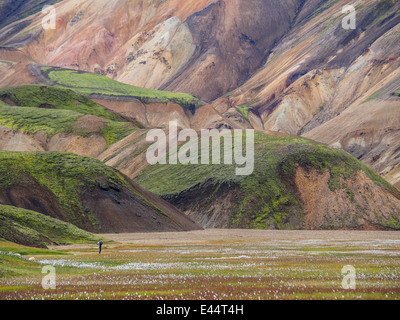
(100, 244)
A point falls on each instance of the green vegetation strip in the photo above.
(245, 108)
(116, 131)
(89, 83)
(40, 96)
(32, 120)
(30, 227)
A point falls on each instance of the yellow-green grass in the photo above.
(65, 175)
(33, 120)
(42, 96)
(54, 121)
(36, 229)
(90, 83)
(247, 269)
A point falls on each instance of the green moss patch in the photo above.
(32, 228)
(3, 104)
(245, 109)
(47, 97)
(90, 83)
(50, 121)
(116, 131)
(32, 120)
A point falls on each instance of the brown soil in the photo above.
(13, 140)
(118, 209)
(359, 204)
(209, 210)
(33, 197)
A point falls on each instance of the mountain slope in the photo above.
(162, 44)
(14, 10)
(84, 192)
(318, 71)
(45, 118)
(297, 184)
(282, 66)
(31, 228)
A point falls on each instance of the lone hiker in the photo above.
(100, 244)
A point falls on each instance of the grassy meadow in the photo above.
(212, 265)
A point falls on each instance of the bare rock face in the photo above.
(138, 42)
(366, 202)
(333, 85)
(12, 140)
(369, 131)
(229, 49)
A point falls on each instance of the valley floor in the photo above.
(219, 264)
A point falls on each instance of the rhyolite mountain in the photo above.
(284, 68)
(14, 10)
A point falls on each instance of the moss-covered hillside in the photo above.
(48, 97)
(273, 196)
(31, 228)
(89, 84)
(34, 108)
(82, 191)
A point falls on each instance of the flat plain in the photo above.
(214, 265)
